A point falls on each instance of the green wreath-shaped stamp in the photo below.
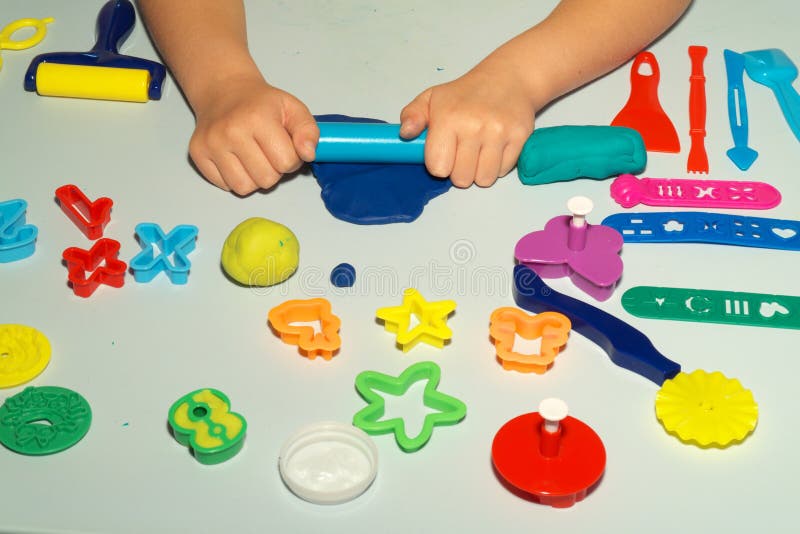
(44, 420)
(202, 420)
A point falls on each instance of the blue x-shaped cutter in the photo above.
(163, 252)
(17, 239)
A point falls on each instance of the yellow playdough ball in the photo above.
(260, 252)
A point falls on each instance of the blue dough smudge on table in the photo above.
(368, 193)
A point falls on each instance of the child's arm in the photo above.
(248, 132)
(478, 123)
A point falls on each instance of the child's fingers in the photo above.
(210, 171)
(279, 150)
(510, 156)
(489, 160)
(234, 174)
(257, 166)
(414, 117)
(440, 152)
(466, 162)
(305, 137)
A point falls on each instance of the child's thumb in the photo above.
(304, 132)
(414, 117)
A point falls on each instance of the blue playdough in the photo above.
(343, 275)
(368, 193)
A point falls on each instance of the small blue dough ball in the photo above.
(343, 275)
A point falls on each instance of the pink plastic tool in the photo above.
(569, 246)
(90, 217)
(628, 191)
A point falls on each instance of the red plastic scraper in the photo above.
(643, 111)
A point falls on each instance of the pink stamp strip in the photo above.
(628, 191)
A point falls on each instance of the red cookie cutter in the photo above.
(90, 217)
(324, 343)
(87, 269)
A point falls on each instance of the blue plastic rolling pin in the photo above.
(362, 142)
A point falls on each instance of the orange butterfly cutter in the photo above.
(325, 343)
(506, 323)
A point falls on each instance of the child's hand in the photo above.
(249, 134)
(477, 125)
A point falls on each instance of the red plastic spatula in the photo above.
(643, 111)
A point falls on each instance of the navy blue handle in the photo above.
(114, 24)
(626, 346)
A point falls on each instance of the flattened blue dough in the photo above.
(367, 193)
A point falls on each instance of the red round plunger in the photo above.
(555, 458)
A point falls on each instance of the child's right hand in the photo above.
(249, 133)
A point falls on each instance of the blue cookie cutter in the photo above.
(17, 239)
(163, 252)
(703, 227)
(626, 346)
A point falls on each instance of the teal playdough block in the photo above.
(562, 153)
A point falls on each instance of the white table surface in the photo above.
(133, 351)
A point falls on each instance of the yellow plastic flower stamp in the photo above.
(706, 409)
(552, 328)
(24, 353)
(202, 420)
(432, 316)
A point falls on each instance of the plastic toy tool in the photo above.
(773, 68)
(371, 384)
(628, 191)
(741, 155)
(707, 306)
(554, 458)
(44, 420)
(698, 159)
(569, 246)
(203, 421)
(90, 217)
(17, 238)
(551, 328)
(325, 343)
(432, 316)
(24, 354)
(88, 269)
(626, 346)
(7, 43)
(167, 253)
(704, 227)
(706, 409)
(643, 111)
(365, 142)
(102, 72)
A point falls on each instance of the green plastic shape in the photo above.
(561, 153)
(371, 385)
(707, 306)
(202, 421)
(44, 420)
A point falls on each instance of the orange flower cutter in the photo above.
(324, 343)
(552, 327)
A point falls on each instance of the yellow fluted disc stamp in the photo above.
(24, 353)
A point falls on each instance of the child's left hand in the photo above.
(477, 125)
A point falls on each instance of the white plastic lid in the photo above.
(328, 462)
